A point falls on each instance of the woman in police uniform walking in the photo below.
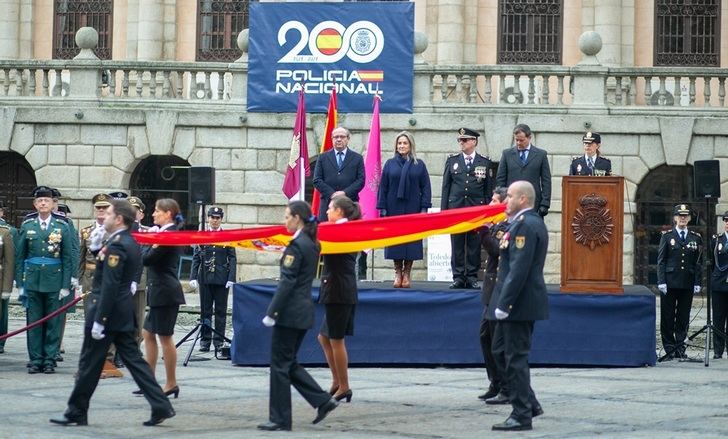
(291, 314)
(719, 287)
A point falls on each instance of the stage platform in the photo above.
(429, 324)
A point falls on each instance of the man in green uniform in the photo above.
(7, 272)
(43, 269)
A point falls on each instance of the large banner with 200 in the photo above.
(362, 49)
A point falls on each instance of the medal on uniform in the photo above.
(504, 240)
(480, 172)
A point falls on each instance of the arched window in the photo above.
(687, 33)
(17, 181)
(218, 24)
(71, 15)
(530, 32)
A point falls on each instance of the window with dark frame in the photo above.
(71, 15)
(530, 31)
(687, 33)
(218, 24)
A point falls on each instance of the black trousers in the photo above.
(286, 372)
(495, 375)
(91, 362)
(511, 346)
(720, 320)
(213, 300)
(675, 318)
(465, 257)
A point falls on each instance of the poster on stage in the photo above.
(438, 256)
(362, 49)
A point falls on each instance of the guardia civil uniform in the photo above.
(43, 267)
(87, 260)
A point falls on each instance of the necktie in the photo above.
(682, 235)
(43, 225)
(590, 163)
(523, 156)
(468, 161)
(339, 159)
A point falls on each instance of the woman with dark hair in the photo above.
(291, 314)
(339, 296)
(164, 294)
(404, 189)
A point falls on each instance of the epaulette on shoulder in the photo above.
(28, 220)
(575, 157)
(60, 218)
(665, 231)
(59, 214)
(453, 155)
(90, 226)
(31, 215)
(4, 226)
(605, 158)
(694, 233)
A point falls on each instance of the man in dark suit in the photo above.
(592, 162)
(110, 318)
(678, 278)
(466, 182)
(519, 299)
(213, 272)
(338, 171)
(526, 162)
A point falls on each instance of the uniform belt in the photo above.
(41, 260)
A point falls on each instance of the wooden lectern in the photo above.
(592, 234)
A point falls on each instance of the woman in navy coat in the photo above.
(404, 189)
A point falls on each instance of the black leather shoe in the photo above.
(472, 285)
(205, 348)
(324, 409)
(272, 426)
(499, 399)
(49, 370)
(717, 356)
(35, 369)
(457, 285)
(58, 358)
(511, 424)
(536, 411)
(70, 420)
(492, 391)
(157, 418)
(117, 362)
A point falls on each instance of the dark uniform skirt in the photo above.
(161, 319)
(338, 321)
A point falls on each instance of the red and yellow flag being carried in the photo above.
(348, 237)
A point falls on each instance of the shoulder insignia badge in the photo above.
(113, 260)
(117, 237)
(664, 231)
(520, 241)
(288, 260)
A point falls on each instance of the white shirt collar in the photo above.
(343, 151)
(472, 156)
(594, 159)
(681, 230)
(341, 220)
(165, 227)
(295, 235)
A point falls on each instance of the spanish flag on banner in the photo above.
(348, 237)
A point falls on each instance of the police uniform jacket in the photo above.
(163, 287)
(678, 262)
(141, 276)
(719, 277)
(43, 258)
(490, 241)
(292, 304)
(465, 188)
(338, 279)
(214, 265)
(7, 258)
(536, 171)
(520, 289)
(111, 299)
(579, 166)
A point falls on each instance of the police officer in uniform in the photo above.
(7, 273)
(678, 278)
(43, 270)
(592, 162)
(87, 263)
(110, 318)
(719, 287)
(213, 272)
(139, 286)
(466, 182)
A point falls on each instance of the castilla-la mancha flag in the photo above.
(372, 167)
(298, 167)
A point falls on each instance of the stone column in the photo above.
(150, 40)
(450, 32)
(9, 29)
(239, 70)
(608, 23)
(132, 28)
(588, 75)
(421, 82)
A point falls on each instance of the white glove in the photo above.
(500, 315)
(6, 295)
(133, 287)
(74, 283)
(662, 288)
(267, 321)
(153, 229)
(194, 285)
(229, 284)
(63, 293)
(97, 239)
(696, 289)
(97, 331)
